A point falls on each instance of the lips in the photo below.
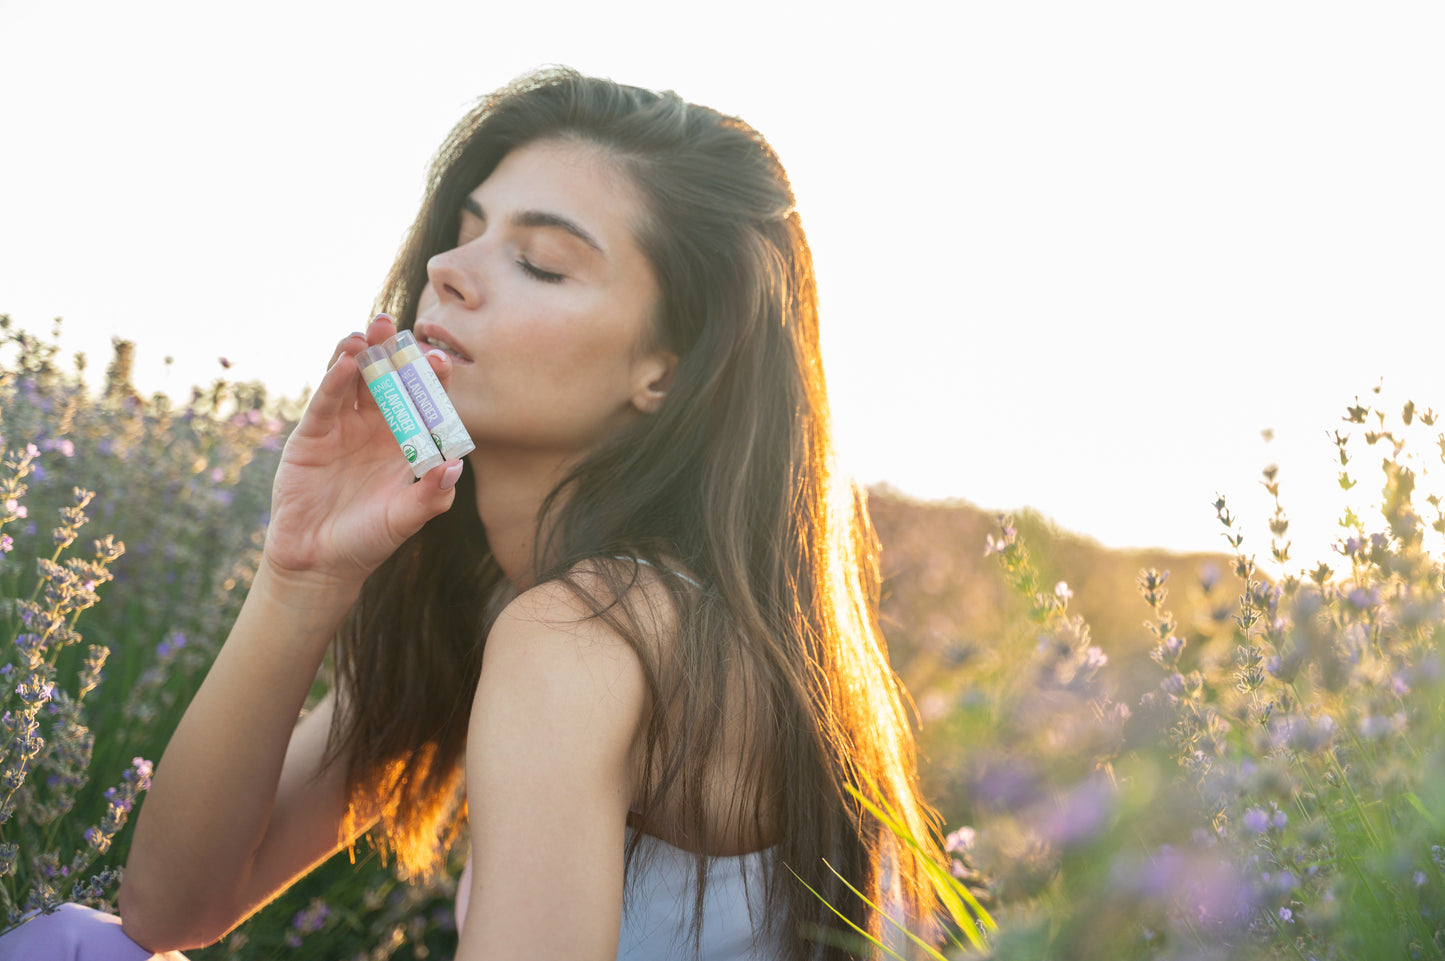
(435, 336)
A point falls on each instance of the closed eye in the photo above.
(537, 273)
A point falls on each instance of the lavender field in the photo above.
(1135, 755)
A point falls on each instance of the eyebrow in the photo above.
(540, 218)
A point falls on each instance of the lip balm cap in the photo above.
(373, 355)
(403, 348)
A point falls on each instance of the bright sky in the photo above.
(1075, 256)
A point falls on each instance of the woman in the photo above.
(633, 644)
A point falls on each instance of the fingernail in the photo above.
(355, 333)
(382, 316)
(450, 476)
(436, 353)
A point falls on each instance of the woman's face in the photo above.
(547, 305)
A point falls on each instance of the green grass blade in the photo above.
(932, 951)
(1424, 812)
(865, 934)
(955, 896)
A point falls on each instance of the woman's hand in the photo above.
(344, 498)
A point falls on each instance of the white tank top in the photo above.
(659, 904)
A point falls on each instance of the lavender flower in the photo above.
(1256, 820)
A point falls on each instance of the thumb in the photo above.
(429, 497)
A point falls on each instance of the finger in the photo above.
(337, 390)
(430, 496)
(381, 328)
(345, 345)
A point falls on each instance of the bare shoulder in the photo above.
(550, 652)
(635, 598)
(582, 610)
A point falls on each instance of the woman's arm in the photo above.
(552, 752)
(239, 805)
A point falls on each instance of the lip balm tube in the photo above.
(396, 406)
(436, 409)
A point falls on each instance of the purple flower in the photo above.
(1364, 598)
(33, 692)
(1301, 733)
(7, 543)
(140, 772)
(1080, 815)
(1006, 786)
(173, 642)
(960, 840)
(311, 918)
(1199, 885)
(1005, 540)
(1256, 820)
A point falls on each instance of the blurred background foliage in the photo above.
(1135, 754)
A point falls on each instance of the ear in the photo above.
(654, 380)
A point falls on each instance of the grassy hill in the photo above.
(956, 631)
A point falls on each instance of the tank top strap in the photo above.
(665, 570)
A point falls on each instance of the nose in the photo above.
(452, 281)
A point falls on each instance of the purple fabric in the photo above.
(75, 933)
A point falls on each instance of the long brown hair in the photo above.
(732, 481)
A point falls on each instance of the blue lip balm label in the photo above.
(391, 397)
